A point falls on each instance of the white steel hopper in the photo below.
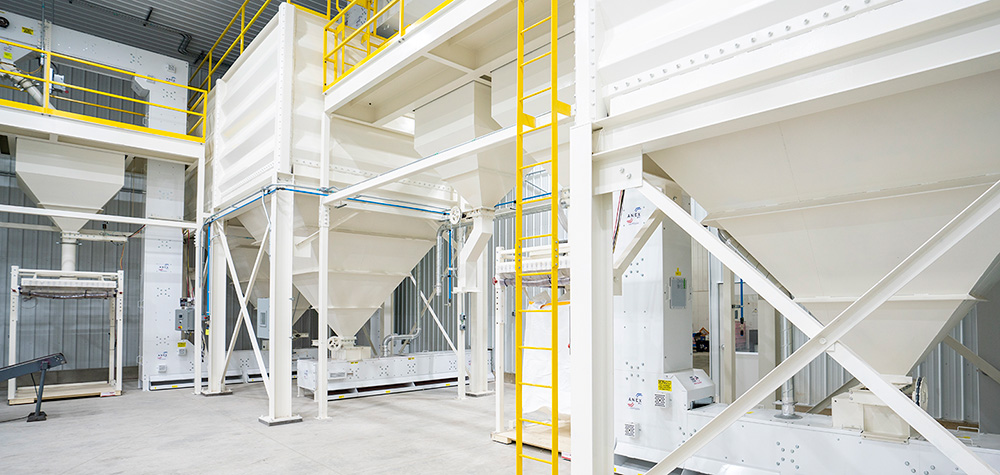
(68, 178)
(831, 202)
(371, 251)
(460, 116)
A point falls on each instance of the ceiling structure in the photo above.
(183, 29)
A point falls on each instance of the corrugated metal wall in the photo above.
(79, 329)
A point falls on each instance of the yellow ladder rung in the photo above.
(543, 20)
(539, 348)
(533, 129)
(527, 120)
(533, 274)
(532, 60)
(533, 94)
(536, 422)
(536, 459)
(536, 200)
(562, 108)
(534, 237)
(536, 385)
(536, 164)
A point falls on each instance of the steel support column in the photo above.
(323, 309)
(592, 368)
(217, 310)
(281, 244)
(199, 276)
(479, 328)
(823, 339)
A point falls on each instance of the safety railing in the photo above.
(211, 62)
(43, 88)
(354, 45)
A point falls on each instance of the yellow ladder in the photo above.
(525, 126)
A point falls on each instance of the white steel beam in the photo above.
(479, 330)
(281, 247)
(216, 311)
(199, 269)
(323, 309)
(975, 360)
(167, 223)
(592, 369)
(71, 131)
(499, 344)
(633, 247)
(671, 123)
(827, 338)
(419, 39)
(477, 145)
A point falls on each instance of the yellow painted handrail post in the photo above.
(47, 76)
(243, 18)
(402, 21)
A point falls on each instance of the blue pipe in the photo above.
(267, 191)
(515, 201)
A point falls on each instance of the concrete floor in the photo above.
(177, 432)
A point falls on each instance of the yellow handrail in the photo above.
(338, 28)
(47, 84)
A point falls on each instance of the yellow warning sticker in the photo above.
(664, 385)
(27, 31)
(7, 55)
(182, 344)
(678, 272)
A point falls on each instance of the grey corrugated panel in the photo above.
(204, 20)
(77, 328)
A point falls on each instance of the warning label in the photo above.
(664, 385)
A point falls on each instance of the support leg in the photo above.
(591, 308)
(281, 245)
(479, 329)
(38, 415)
(217, 312)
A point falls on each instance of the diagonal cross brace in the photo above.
(244, 313)
(250, 284)
(824, 339)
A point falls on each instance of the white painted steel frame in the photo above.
(97, 217)
(323, 309)
(592, 367)
(199, 272)
(823, 339)
(241, 298)
(982, 365)
(116, 317)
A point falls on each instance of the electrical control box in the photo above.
(184, 319)
(263, 320)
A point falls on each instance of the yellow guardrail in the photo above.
(46, 82)
(210, 63)
(363, 39)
